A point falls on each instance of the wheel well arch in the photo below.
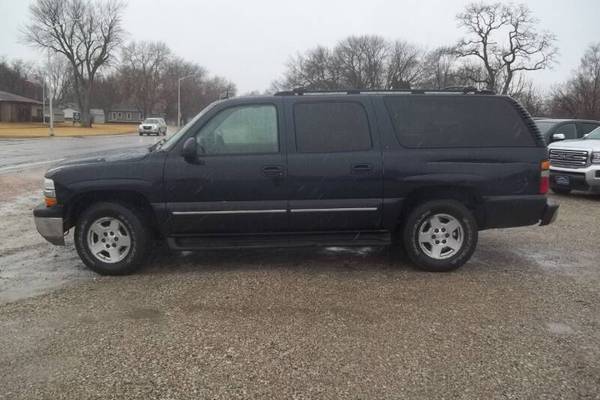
(468, 196)
(129, 198)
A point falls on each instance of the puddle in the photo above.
(559, 328)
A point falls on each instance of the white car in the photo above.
(575, 164)
(153, 126)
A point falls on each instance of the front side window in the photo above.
(248, 129)
(587, 127)
(569, 130)
(326, 127)
(431, 121)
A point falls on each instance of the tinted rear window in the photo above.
(457, 121)
(323, 127)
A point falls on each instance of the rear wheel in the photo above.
(559, 190)
(440, 235)
(111, 239)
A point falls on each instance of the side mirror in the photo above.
(189, 150)
(558, 136)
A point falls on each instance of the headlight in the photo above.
(49, 193)
(596, 157)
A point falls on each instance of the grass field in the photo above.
(33, 130)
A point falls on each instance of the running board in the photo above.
(255, 241)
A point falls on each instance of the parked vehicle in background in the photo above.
(153, 126)
(575, 164)
(422, 170)
(564, 129)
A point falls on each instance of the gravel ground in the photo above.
(520, 321)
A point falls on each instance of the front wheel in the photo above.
(440, 235)
(111, 239)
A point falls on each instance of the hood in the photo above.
(576, 144)
(102, 157)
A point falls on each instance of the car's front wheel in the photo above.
(440, 235)
(111, 238)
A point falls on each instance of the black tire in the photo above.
(559, 190)
(139, 238)
(419, 216)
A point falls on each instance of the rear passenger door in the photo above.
(334, 164)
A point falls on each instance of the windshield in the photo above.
(151, 121)
(545, 126)
(593, 135)
(170, 141)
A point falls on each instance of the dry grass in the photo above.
(34, 130)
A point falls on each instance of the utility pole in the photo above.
(51, 94)
(43, 101)
(51, 111)
(179, 98)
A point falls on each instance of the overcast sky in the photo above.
(249, 42)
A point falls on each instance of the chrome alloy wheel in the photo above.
(109, 240)
(440, 236)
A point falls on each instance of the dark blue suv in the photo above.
(425, 170)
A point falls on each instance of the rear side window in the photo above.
(326, 127)
(457, 121)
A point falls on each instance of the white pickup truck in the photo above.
(575, 164)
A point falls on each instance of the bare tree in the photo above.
(580, 96)
(505, 41)
(316, 69)
(142, 69)
(404, 65)
(57, 74)
(530, 97)
(196, 92)
(86, 32)
(360, 62)
(16, 77)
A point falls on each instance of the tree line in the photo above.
(501, 47)
(90, 63)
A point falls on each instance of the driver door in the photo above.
(237, 184)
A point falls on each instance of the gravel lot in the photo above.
(520, 321)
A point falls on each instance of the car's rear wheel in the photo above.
(559, 190)
(111, 238)
(440, 235)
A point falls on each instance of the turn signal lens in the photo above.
(49, 193)
(545, 165)
(50, 201)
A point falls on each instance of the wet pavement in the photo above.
(20, 154)
(520, 321)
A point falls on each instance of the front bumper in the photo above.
(585, 179)
(49, 223)
(151, 130)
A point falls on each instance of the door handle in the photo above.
(361, 168)
(273, 170)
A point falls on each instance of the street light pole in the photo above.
(179, 98)
(50, 95)
(43, 102)
(51, 111)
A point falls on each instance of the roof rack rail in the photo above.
(452, 89)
